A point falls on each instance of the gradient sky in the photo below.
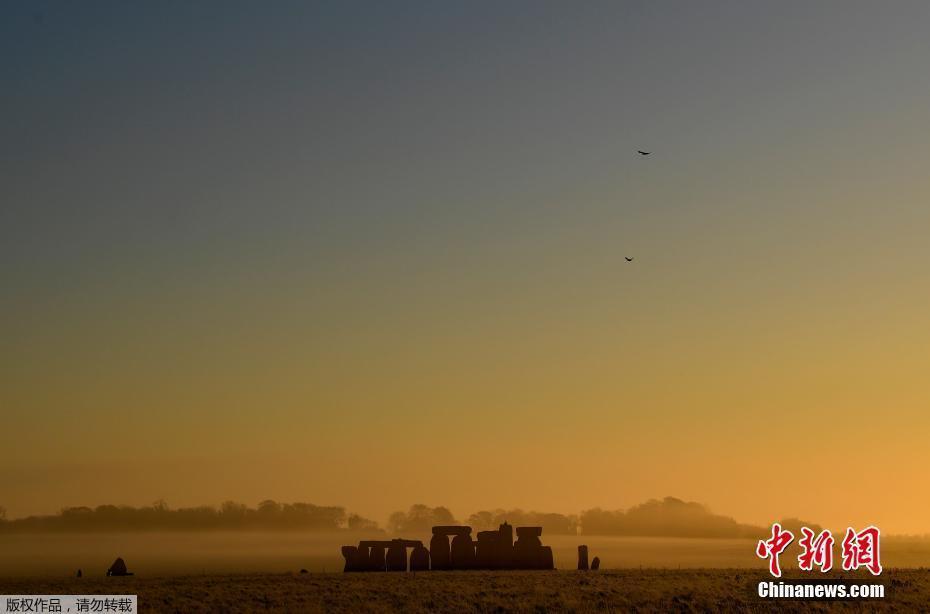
(371, 254)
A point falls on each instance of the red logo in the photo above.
(817, 551)
(859, 549)
(772, 548)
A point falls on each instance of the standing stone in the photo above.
(463, 552)
(528, 551)
(545, 560)
(439, 551)
(583, 558)
(118, 568)
(351, 555)
(396, 559)
(505, 546)
(596, 563)
(363, 558)
(419, 558)
(376, 559)
(529, 536)
(486, 551)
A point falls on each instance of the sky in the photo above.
(373, 254)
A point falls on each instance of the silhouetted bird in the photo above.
(628, 259)
(643, 153)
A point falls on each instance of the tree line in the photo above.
(230, 515)
(668, 517)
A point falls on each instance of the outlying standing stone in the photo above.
(118, 568)
(582, 558)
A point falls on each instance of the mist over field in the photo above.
(219, 552)
(275, 537)
(184, 553)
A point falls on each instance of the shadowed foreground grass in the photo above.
(650, 590)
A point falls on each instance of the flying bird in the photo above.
(643, 153)
(628, 259)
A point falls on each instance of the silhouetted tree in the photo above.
(482, 521)
(268, 507)
(358, 523)
(233, 515)
(420, 519)
(669, 517)
(230, 515)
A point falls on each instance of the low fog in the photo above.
(286, 537)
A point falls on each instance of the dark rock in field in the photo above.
(463, 551)
(396, 559)
(376, 559)
(304, 571)
(440, 555)
(505, 546)
(529, 535)
(350, 554)
(545, 560)
(528, 551)
(494, 549)
(487, 550)
(596, 563)
(419, 559)
(583, 558)
(118, 568)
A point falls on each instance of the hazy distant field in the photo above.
(619, 590)
(275, 552)
(164, 554)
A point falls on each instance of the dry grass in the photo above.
(651, 590)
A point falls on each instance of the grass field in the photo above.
(648, 590)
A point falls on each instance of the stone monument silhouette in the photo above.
(491, 550)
